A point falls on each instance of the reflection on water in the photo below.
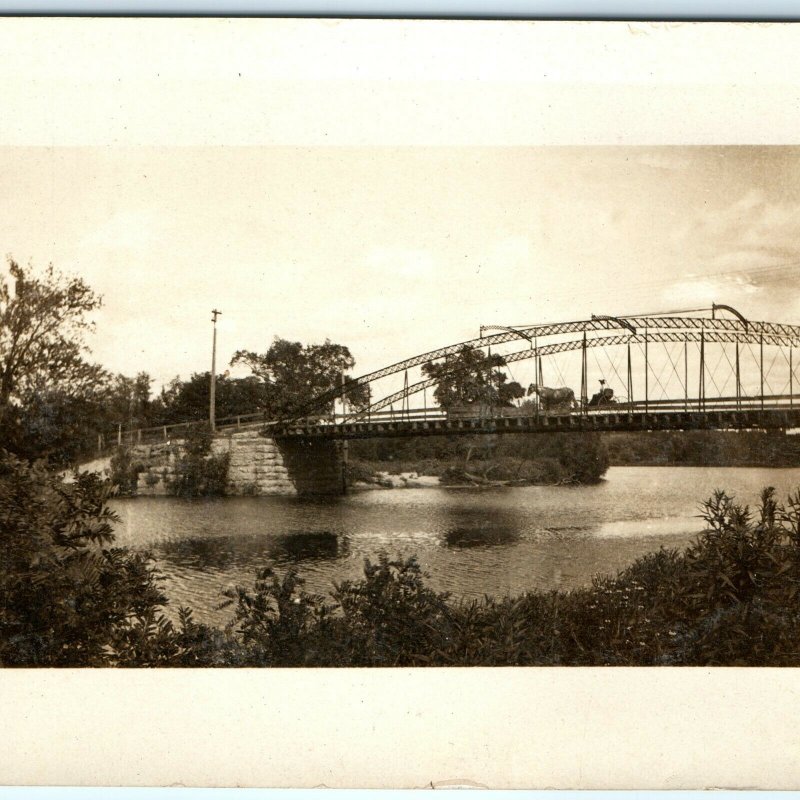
(484, 535)
(221, 552)
(470, 542)
(305, 546)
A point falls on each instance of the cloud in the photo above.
(753, 242)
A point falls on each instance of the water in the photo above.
(471, 542)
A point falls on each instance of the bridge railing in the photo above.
(690, 404)
(179, 430)
(258, 421)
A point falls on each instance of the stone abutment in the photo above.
(257, 465)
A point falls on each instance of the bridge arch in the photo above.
(717, 342)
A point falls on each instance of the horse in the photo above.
(551, 399)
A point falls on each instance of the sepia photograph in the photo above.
(401, 407)
(296, 380)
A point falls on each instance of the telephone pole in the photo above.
(212, 411)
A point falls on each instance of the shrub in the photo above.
(279, 624)
(359, 472)
(391, 617)
(69, 598)
(198, 473)
(584, 457)
(125, 469)
(729, 598)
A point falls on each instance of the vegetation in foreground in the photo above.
(68, 597)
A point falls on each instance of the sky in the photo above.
(396, 250)
(393, 185)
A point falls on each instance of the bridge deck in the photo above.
(749, 419)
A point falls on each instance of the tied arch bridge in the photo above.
(699, 369)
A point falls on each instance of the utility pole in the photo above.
(344, 450)
(212, 411)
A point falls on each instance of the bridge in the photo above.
(699, 369)
(712, 370)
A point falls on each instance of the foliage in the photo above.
(513, 470)
(72, 599)
(730, 598)
(127, 401)
(69, 598)
(198, 472)
(533, 458)
(391, 617)
(704, 448)
(584, 457)
(472, 376)
(278, 623)
(42, 323)
(180, 401)
(125, 469)
(386, 618)
(297, 377)
(48, 390)
(54, 426)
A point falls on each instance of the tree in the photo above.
(181, 401)
(294, 375)
(56, 427)
(471, 376)
(128, 400)
(43, 373)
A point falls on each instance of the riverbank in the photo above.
(574, 457)
(480, 461)
(362, 476)
(507, 576)
(726, 599)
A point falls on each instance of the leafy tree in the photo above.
(181, 401)
(42, 325)
(56, 427)
(297, 377)
(127, 400)
(472, 376)
(49, 393)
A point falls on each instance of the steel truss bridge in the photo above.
(700, 369)
(705, 369)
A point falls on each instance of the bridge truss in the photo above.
(701, 361)
(701, 368)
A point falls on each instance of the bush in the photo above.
(125, 469)
(359, 472)
(198, 473)
(72, 599)
(69, 598)
(391, 617)
(584, 457)
(278, 624)
(730, 598)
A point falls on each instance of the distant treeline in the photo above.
(704, 448)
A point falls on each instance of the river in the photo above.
(471, 542)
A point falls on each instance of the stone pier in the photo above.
(257, 466)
